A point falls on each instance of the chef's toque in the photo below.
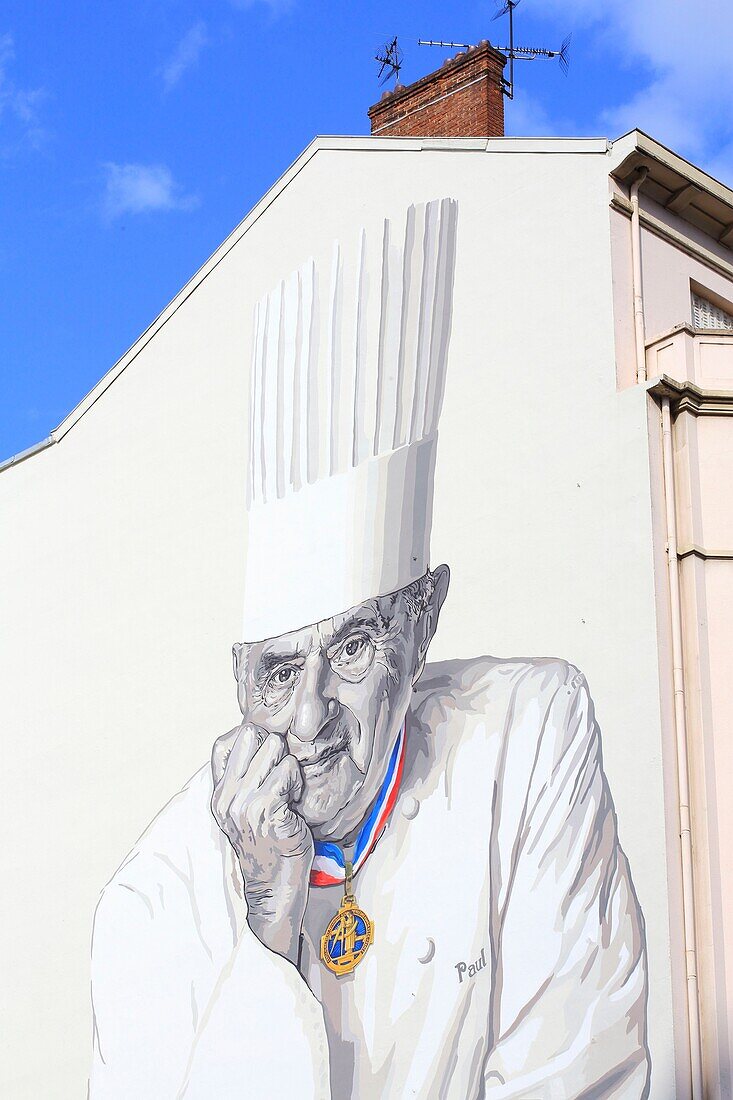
(347, 381)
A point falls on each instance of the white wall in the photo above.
(122, 549)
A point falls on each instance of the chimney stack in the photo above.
(463, 98)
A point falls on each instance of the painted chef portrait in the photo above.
(392, 878)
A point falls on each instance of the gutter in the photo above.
(639, 334)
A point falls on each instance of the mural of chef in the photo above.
(394, 878)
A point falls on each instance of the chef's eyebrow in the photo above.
(367, 619)
(272, 660)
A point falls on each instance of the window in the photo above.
(705, 314)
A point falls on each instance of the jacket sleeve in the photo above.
(569, 1005)
(181, 1013)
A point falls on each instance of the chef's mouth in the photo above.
(333, 739)
(323, 760)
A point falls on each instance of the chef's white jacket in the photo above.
(502, 849)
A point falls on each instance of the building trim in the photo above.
(673, 175)
(21, 456)
(692, 549)
(549, 145)
(687, 397)
(622, 205)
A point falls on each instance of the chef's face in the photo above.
(339, 692)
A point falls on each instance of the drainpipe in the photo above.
(683, 779)
(639, 334)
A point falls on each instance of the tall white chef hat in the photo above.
(346, 389)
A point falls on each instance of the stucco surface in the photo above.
(122, 552)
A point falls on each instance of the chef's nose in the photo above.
(315, 703)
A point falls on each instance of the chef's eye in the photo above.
(353, 657)
(280, 684)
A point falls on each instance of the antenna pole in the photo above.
(510, 5)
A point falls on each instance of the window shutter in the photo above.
(707, 315)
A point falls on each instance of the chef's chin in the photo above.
(327, 791)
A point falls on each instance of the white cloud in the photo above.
(142, 188)
(18, 106)
(679, 57)
(186, 55)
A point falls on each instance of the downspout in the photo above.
(683, 778)
(639, 333)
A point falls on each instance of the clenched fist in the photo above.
(256, 782)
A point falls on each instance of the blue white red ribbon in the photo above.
(328, 864)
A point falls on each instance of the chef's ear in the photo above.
(237, 659)
(428, 623)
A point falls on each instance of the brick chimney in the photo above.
(464, 98)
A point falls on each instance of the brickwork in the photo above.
(464, 98)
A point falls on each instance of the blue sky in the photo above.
(134, 137)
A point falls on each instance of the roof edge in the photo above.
(21, 456)
(650, 147)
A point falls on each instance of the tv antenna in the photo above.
(390, 61)
(526, 53)
(513, 52)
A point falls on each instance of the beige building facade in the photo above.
(685, 231)
(582, 503)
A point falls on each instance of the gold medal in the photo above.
(348, 935)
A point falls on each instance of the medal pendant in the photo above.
(348, 935)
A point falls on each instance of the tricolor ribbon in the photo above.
(328, 864)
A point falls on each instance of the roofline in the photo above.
(367, 143)
(22, 455)
(650, 147)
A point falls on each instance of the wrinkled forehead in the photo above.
(375, 616)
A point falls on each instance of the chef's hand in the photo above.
(256, 781)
